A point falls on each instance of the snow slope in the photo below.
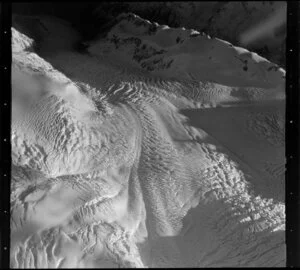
(121, 159)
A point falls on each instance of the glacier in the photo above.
(148, 146)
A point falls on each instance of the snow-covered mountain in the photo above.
(148, 146)
(225, 20)
(185, 54)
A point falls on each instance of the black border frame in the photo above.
(292, 133)
(5, 121)
(292, 136)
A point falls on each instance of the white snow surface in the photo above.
(122, 161)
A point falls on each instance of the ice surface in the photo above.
(118, 164)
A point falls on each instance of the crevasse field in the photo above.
(150, 147)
